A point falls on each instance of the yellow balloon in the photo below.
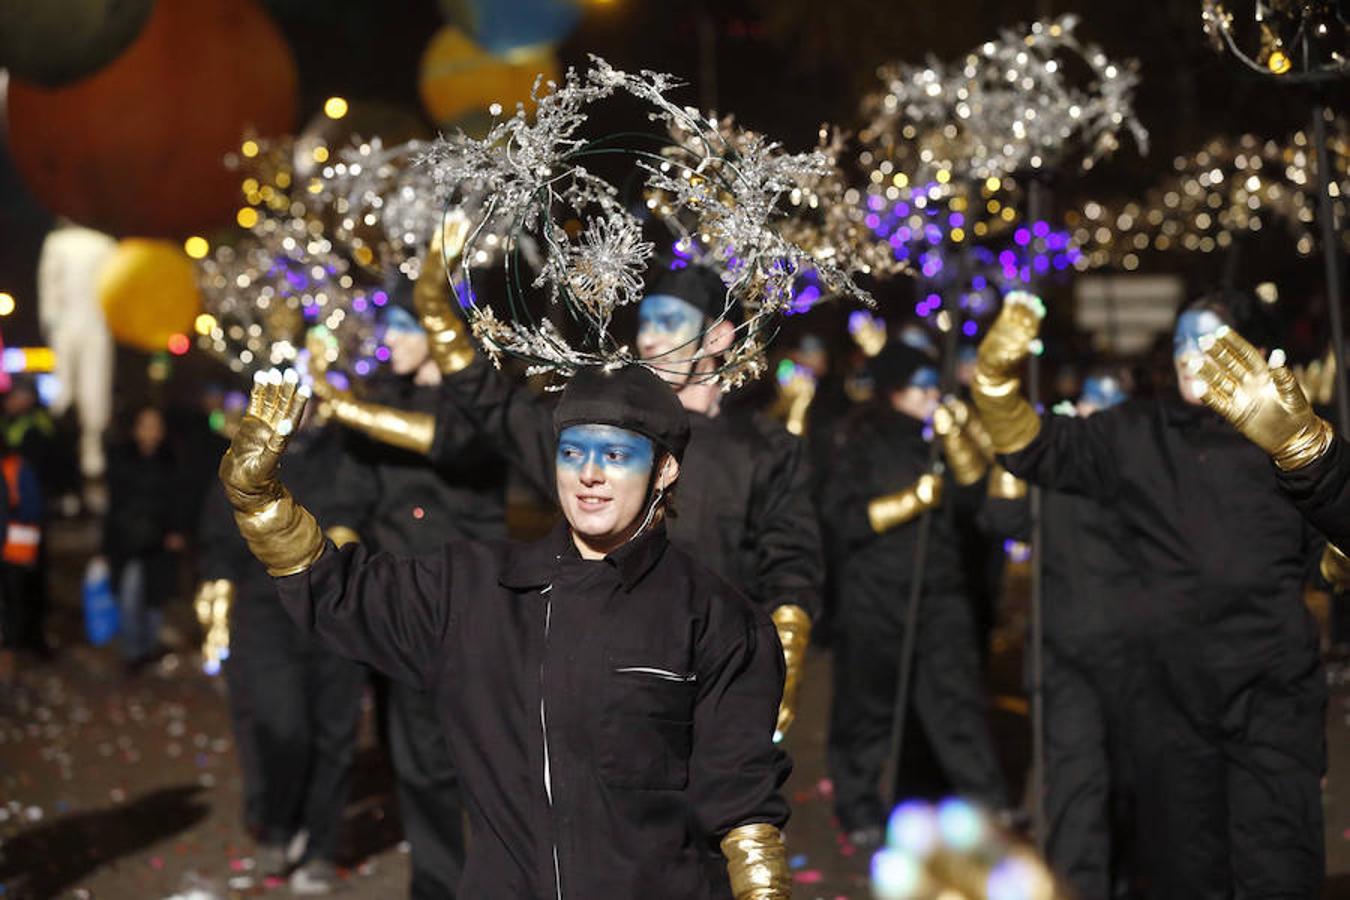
(148, 290)
(459, 78)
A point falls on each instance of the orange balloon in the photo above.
(138, 147)
(459, 78)
(149, 294)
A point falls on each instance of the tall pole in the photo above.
(1037, 206)
(1331, 253)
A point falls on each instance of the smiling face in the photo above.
(603, 475)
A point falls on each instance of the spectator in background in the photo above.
(143, 534)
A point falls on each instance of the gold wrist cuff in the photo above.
(1335, 568)
(1004, 485)
(757, 863)
(282, 535)
(892, 510)
(415, 431)
(341, 535)
(963, 457)
(1307, 446)
(1009, 418)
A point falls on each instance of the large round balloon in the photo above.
(138, 147)
(459, 78)
(502, 26)
(54, 42)
(149, 293)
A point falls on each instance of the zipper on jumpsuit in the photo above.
(543, 725)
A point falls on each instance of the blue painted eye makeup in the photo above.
(1191, 327)
(668, 314)
(621, 453)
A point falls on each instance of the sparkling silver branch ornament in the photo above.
(729, 186)
(1010, 106)
(1294, 40)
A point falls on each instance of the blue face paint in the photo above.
(619, 452)
(396, 318)
(1191, 327)
(925, 378)
(1102, 392)
(667, 319)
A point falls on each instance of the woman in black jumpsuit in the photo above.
(609, 703)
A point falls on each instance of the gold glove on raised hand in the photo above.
(281, 533)
(447, 333)
(997, 389)
(961, 449)
(892, 510)
(1318, 379)
(794, 631)
(1261, 400)
(1336, 568)
(868, 331)
(757, 863)
(410, 430)
(212, 604)
(1004, 485)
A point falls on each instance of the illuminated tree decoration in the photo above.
(1289, 39)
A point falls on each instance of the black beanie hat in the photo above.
(701, 288)
(895, 365)
(632, 398)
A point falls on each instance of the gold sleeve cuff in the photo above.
(963, 457)
(757, 863)
(1009, 418)
(892, 510)
(1306, 446)
(1004, 485)
(341, 535)
(1336, 568)
(794, 633)
(415, 431)
(282, 535)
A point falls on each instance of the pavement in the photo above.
(126, 786)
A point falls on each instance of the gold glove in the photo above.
(796, 390)
(868, 332)
(281, 533)
(212, 603)
(1004, 485)
(794, 631)
(891, 510)
(961, 450)
(1318, 379)
(1009, 418)
(1261, 400)
(341, 535)
(757, 863)
(447, 333)
(1336, 568)
(409, 430)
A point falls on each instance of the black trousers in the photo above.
(303, 706)
(1088, 764)
(948, 699)
(1230, 776)
(429, 799)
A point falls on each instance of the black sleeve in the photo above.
(736, 771)
(1072, 455)
(356, 491)
(221, 552)
(847, 490)
(516, 422)
(1007, 518)
(789, 561)
(1321, 491)
(389, 612)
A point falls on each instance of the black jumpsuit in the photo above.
(1091, 596)
(1321, 491)
(1232, 750)
(296, 704)
(743, 502)
(880, 452)
(611, 720)
(417, 508)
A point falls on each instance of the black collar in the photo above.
(535, 564)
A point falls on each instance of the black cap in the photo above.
(895, 365)
(700, 287)
(632, 398)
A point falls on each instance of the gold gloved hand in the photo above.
(1261, 400)
(996, 387)
(1004, 485)
(892, 510)
(794, 632)
(447, 333)
(757, 863)
(868, 331)
(212, 604)
(1318, 378)
(796, 390)
(281, 533)
(952, 421)
(1335, 568)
